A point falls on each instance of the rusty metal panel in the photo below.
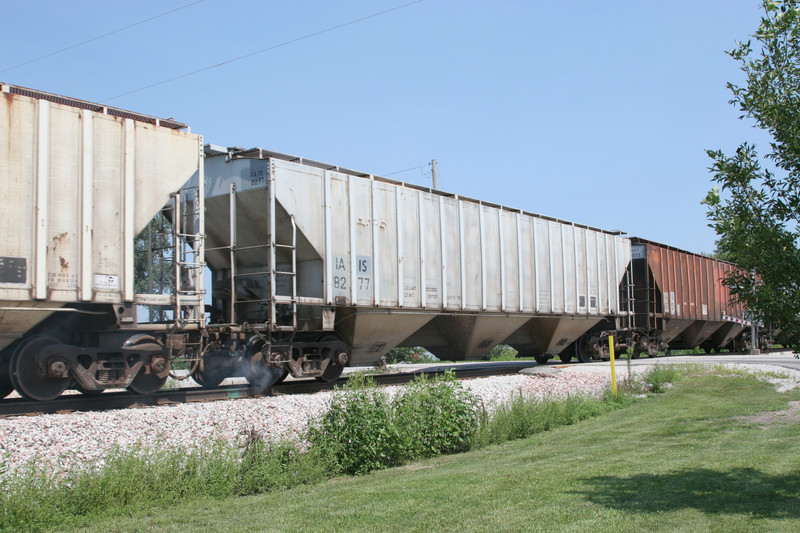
(690, 284)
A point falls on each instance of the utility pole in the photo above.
(753, 334)
(435, 174)
(753, 339)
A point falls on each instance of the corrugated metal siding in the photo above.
(76, 187)
(406, 247)
(690, 284)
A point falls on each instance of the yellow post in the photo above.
(613, 370)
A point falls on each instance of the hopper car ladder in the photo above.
(275, 299)
(175, 265)
(189, 253)
(272, 299)
(189, 265)
(655, 314)
(629, 317)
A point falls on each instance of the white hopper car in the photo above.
(314, 267)
(379, 263)
(78, 182)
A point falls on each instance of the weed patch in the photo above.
(435, 416)
(660, 376)
(365, 430)
(523, 417)
(359, 430)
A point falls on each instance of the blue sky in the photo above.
(594, 112)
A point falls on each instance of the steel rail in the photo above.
(124, 400)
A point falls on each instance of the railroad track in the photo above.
(124, 400)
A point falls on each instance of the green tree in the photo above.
(755, 208)
(154, 270)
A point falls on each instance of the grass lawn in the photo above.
(691, 459)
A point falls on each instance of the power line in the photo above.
(273, 47)
(406, 170)
(101, 36)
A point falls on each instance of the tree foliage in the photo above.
(153, 250)
(416, 354)
(755, 208)
(154, 270)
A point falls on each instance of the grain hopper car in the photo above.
(79, 182)
(329, 266)
(678, 301)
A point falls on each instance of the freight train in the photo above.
(113, 220)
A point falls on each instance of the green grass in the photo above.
(364, 430)
(684, 460)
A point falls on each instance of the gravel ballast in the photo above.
(77, 440)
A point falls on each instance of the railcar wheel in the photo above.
(209, 371)
(88, 392)
(258, 374)
(584, 348)
(29, 379)
(565, 358)
(652, 348)
(207, 379)
(283, 376)
(145, 383)
(6, 387)
(332, 371)
(541, 358)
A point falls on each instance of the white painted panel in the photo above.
(590, 238)
(452, 254)
(581, 271)
(63, 241)
(410, 231)
(107, 257)
(17, 190)
(362, 209)
(528, 261)
(492, 258)
(342, 267)
(385, 226)
(558, 270)
(544, 264)
(433, 251)
(300, 192)
(471, 236)
(569, 269)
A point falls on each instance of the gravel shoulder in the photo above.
(81, 439)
